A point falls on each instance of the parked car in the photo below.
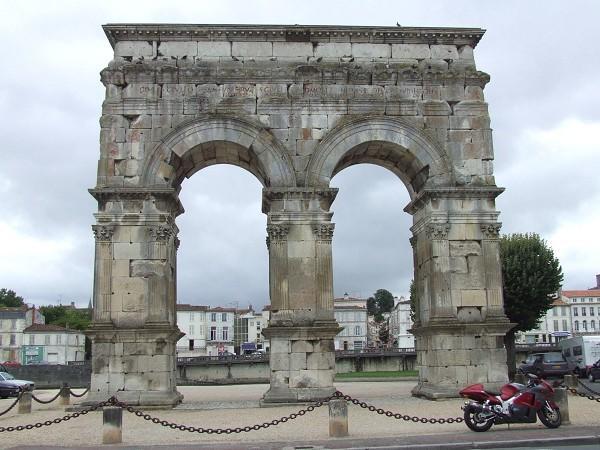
(594, 371)
(28, 385)
(9, 389)
(545, 364)
(11, 364)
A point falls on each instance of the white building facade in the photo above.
(351, 316)
(12, 323)
(52, 344)
(191, 320)
(220, 331)
(399, 324)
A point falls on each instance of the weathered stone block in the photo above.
(411, 51)
(252, 49)
(178, 49)
(292, 49)
(371, 50)
(333, 50)
(444, 52)
(214, 48)
(133, 48)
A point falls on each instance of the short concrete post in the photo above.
(112, 423)
(338, 418)
(520, 378)
(65, 396)
(561, 398)
(25, 403)
(570, 381)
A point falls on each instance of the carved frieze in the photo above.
(160, 233)
(323, 231)
(438, 230)
(103, 233)
(491, 230)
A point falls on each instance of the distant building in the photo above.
(248, 336)
(220, 327)
(52, 344)
(585, 311)
(400, 322)
(12, 323)
(552, 327)
(351, 315)
(191, 320)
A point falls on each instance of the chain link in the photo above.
(64, 418)
(13, 403)
(191, 429)
(397, 416)
(33, 397)
(78, 395)
(581, 394)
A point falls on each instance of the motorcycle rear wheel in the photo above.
(476, 422)
(550, 416)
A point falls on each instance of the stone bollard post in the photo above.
(570, 381)
(25, 403)
(520, 378)
(65, 395)
(112, 424)
(561, 397)
(338, 418)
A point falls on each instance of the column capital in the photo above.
(323, 231)
(103, 233)
(298, 199)
(491, 230)
(437, 230)
(161, 232)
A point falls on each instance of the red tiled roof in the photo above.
(582, 293)
(558, 302)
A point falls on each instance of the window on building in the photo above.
(574, 300)
(191, 316)
(575, 312)
(0, 340)
(225, 333)
(257, 325)
(47, 339)
(543, 338)
(357, 330)
(224, 317)
(58, 339)
(213, 333)
(593, 325)
(564, 325)
(555, 325)
(584, 311)
(251, 323)
(584, 323)
(591, 310)
(191, 344)
(576, 325)
(13, 339)
(13, 324)
(192, 330)
(213, 317)
(577, 350)
(358, 345)
(555, 311)
(31, 339)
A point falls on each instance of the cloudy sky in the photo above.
(544, 95)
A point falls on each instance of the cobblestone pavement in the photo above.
(237, 406)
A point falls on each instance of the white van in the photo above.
(580, 352)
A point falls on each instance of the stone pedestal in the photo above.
(302, 362)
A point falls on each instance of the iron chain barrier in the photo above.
(13, 404)
(78, 395)
(113, 401)
(582, 394)
(45, 402)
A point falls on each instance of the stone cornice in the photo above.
(489, 192)
(292, 33)
(137, 193)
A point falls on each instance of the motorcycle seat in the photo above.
(492, 392)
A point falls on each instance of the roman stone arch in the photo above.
(411, 154)
(205, 141)
(294, 105)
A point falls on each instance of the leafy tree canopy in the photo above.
(9, 298)
(384, 300)
(371, 306)
(531, 275)
(66, 317)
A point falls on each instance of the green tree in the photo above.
(10, 299)
(531, 276)
(371, 306)
(384, 299)
(384, 334)
(66, 317)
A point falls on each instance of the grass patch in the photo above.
(380, 374)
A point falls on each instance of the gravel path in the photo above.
(237, 406)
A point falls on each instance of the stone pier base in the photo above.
(302, 363)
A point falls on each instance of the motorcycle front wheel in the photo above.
(476, 421)
(550, 416)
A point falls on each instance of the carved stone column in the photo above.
(302, 326)
(461, 323)
(134, 331)
(102, 274)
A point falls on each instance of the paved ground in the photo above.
(237, 406)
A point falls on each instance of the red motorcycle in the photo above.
(515, 403)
